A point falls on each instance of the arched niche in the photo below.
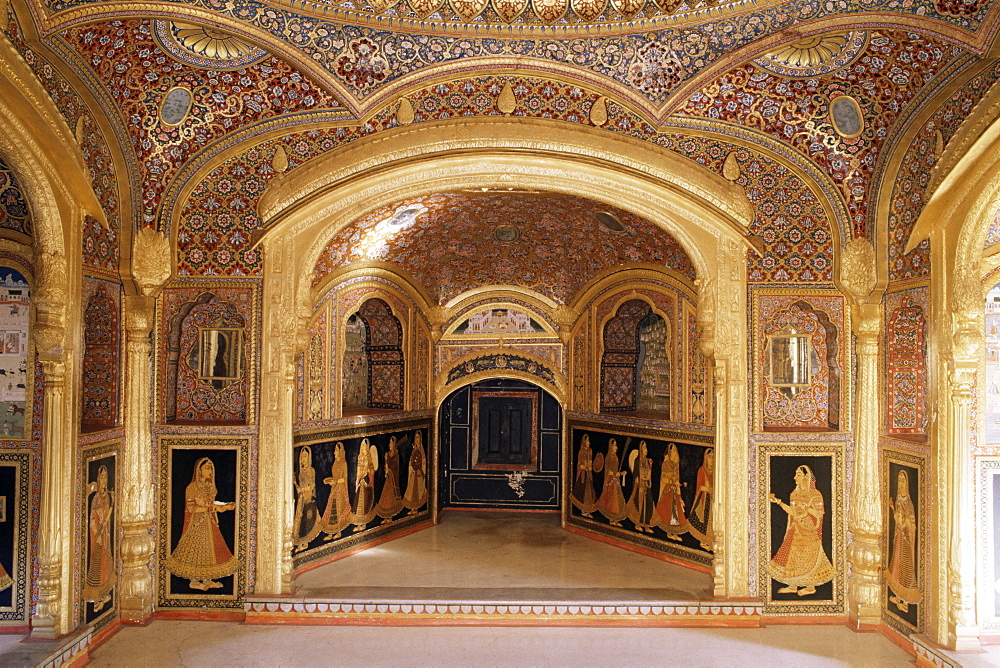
(705, 213)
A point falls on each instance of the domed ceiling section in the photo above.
(550, 243)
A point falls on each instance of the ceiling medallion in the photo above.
(204, 47)
(815, 55)
(506, 234)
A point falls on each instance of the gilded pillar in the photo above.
(858, 278)
(277, 408)
(151, 267)
(53, 611)
(722, 312)
(864, 554)
(137, 544)
(955, 475)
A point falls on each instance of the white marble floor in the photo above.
(497, 556)
(502, 557)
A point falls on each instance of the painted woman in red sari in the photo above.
(800, 563)
(202, 555)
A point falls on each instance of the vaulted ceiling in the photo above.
(549, 243)
(813, 108)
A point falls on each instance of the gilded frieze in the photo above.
(651, 488)
(99, 534)
(905, 523)
(358, 484)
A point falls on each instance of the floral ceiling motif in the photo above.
(883, 80)
(138, 74)
(549, 243)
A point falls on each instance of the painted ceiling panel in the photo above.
(882, 79)
(550, 243)
(139, 74)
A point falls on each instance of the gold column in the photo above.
(722, 310)
(858, 278)
(955, 471)
(137, 545)
(151, 268)
(52, 613)
(277, 408)
(864, 554)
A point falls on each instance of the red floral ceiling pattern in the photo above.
(218, 217)
(138, 75)
(453, 242)
(883, 80)
(910, 184)
(74, 110)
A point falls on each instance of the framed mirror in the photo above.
(789, 361)
(220, 355)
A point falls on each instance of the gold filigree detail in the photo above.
(210, 43)
(810, 51)
(151, 260)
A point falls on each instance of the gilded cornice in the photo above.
(691, 19)
(36, 128)
(466, 304)
(628, 278)
(477, 139)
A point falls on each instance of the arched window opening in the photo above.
(373, 359)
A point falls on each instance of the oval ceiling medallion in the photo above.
(205, 47)
(175, 106)
(815, 55)
(846, 116)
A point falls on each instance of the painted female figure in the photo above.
(364, 486)
(100, 555)
(670, 507)
(901, 576)
(390, 503)
(641, 508)
(337, 514)
(202, 554)
(305, 526)
(583, 496)
(415, 495)
(800, 563)
(700, 518)
(612, 501)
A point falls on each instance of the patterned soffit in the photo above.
(486, 13)
(549, 243)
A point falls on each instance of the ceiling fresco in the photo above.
(549, 243)
(752, 85)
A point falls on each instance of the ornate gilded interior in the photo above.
(284, 278)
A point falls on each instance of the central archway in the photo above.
(705, 213)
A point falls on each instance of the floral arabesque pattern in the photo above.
(100, 360)
(797, 111)
(906, 365)
(138, 74)
(450, 247)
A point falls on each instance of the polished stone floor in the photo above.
(494, 556)
(502, 557)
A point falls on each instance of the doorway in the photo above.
(500, 447)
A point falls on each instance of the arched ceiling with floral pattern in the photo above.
(752, 90)
(549, 243)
